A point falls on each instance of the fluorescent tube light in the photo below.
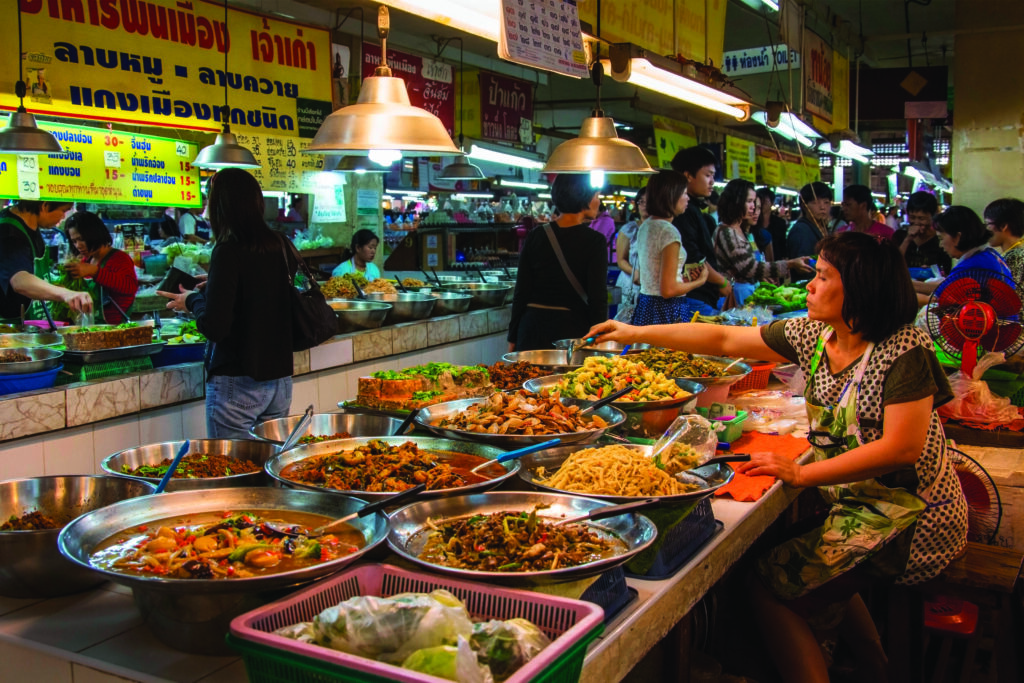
(789, 127)
(473, 195)
(772, 5)
(786, 191)
(501, 182)
(641, 72)
(494, 156)
(479, 17)
(848, 150)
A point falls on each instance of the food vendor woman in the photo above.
(111, 269)
(24, 265)
(364, 249)
(880, 456)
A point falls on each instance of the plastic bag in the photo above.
(457, 663)
(773, 412)
(505, 646)
(689, 442)
(973, 401)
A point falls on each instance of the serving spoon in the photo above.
(609, 511)
(407, 421)
(173, 466)
(518, 453)
(602, 402)
(295, 530)
(298, 431)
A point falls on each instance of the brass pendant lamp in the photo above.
(598, 147)
(382, 120)
(461, 169)
(22, 135)
(225, 152)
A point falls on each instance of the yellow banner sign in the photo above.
(283, 166)
(812, 170)
(740, 159)
(161, 62)
(106, 167)
(769, 166)
(670, 136)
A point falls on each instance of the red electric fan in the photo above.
(976, 310)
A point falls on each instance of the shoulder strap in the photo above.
(23, 230)
(286, 244)
(565, 266)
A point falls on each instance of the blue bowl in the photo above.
(174, 354)
(13, 384)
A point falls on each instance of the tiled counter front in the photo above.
(70, 430)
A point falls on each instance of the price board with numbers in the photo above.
(283, 166)
(104, 166)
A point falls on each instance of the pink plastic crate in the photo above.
(571, 625)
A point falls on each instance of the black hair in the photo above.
(732, 206)
(922, 202)
(835, 213)
(1007, 213)
(692, 159)
(962, 221)
(236, 211)
(36, 207)
(640, 194)
(766, 193)
(90, 227)
(663, 192)
(814, 191)
(362, 237)
(714, 198)
(571, 192)
(860, 194)
(169, 226)
(871, 272)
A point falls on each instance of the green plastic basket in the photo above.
(91, 371)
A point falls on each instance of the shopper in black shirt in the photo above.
(919, 242)
(546, 306)
(812, 225)
(698, 164)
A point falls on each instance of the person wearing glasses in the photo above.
(880, 459)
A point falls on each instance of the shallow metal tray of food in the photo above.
(709, 477)
(116, 353)
(282, 460)
(427, 416)
(410, 524)
(485, 294)
(31, 566)
(733, 375)
(41, 359)
(257, 452)
(325, 424)
(30, 340)
(648, 419)
(552, 360)
(194, 614)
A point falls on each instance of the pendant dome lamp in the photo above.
(225, 152)
(461, 169)
(383, 124)
(598, 149)
(22, 135)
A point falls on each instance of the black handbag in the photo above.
(313, 321)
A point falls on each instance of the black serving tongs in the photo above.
(296, 530)
(609, 511)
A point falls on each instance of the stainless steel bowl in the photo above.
(648, 419)
(30, 340)
(356, 314)
(282, 460)
(153, 454)
(432, 414)
(41, 359)
(485, 294)
(733, 375)
(325, 424)
(450, 279)
(194, 614)
(512, 289)
(554, 361)
(581, 353)
(31, 565)
(447, 303)
(405, 306)
(409, 527)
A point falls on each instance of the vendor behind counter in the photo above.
(110, 272)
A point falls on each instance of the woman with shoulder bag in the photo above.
(561, 288)
(245, 311)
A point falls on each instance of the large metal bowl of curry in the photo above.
(461, 455)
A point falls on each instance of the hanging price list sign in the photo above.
(543, 34)
(283, 167)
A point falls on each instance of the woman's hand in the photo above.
(612, 330)
(801, 264)
(773, 465)
(77, 301)
(177, 301)
(81, 269)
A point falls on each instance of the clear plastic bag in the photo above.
(458, 663)
(689, 442)
(973, 401)
(505, 646)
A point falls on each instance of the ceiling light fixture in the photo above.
(496, 157)
(460, 169)
(788, 126)
(225, 152)
(22, 135)
(598, 147)
(771, 4)
(382, 118)
(479, 17)
(636, 66)
(502, 182)
(359, 165)
(848, 150)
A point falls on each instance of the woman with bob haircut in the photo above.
(880, 456)
(249, 371)
(112, 270)
(737, 256)
(661, 257)
(560, 285)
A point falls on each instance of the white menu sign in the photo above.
(543, 34)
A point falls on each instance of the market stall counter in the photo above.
(99, 635)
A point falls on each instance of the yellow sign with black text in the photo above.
(161, 63)
(670, 136)
(105, 167)
(740, 159)
(283, 166)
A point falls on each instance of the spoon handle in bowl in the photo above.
(300, 428)
(602, 402)
(174, 465)
(407, 421)
(374, 507)
(609, 511)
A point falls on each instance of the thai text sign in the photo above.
(543, 34)
(283, 167)
(430, 84)
(759, 60)
(161, 62)
(670, 136)
(740, 159)
(817, 76)
(103, 166)
(506, 109)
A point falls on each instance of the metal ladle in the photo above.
(296, 530)
(300, 429)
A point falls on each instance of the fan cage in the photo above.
(985, 286)
(984, 507)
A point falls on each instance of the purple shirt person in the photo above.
(605, 224)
